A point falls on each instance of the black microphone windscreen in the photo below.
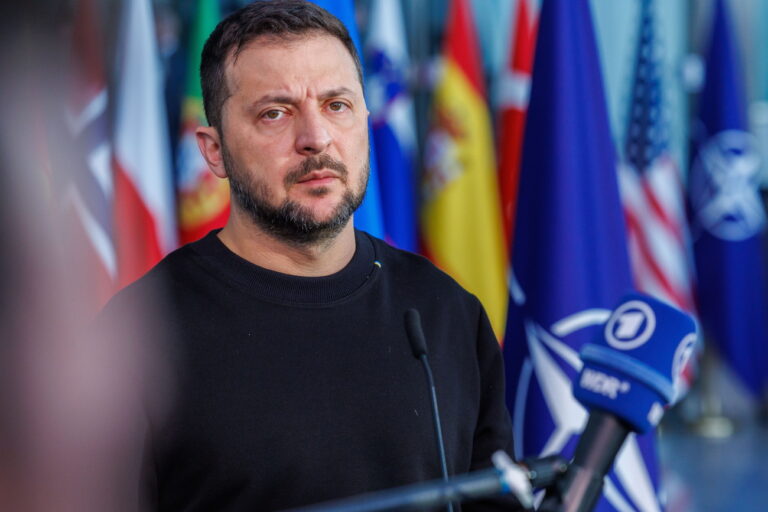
(415, 333)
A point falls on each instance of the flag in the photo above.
(651, 185)
(203, 198)
(652, 188)
(392, 119)
(461, 216)
(368, 217)
(145, 228)
(570, 263)
(728, 219)
(88, 196)
(514, 90)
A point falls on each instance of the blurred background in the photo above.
(102, 177)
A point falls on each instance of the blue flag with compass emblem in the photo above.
(570, 264)
(727, 215)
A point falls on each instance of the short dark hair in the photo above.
(277, 18)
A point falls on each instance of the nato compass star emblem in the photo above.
(725, 186)
(549, 364)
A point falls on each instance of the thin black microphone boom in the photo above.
(419, 347)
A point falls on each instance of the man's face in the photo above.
(295, 136)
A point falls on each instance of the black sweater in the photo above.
(294, 390)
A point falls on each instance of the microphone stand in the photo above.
(581, 486)
(504, 478)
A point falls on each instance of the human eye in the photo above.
(338, 106)
(273, 114)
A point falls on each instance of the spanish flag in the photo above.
(461, 214)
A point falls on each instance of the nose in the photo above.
(313, 136)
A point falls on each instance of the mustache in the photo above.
(315, 163)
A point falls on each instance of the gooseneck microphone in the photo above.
(419, 346)
(628, 376)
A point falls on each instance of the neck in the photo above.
(253, 244)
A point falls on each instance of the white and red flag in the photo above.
(144, 210)
(513, 93)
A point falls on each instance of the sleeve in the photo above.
(494, 427)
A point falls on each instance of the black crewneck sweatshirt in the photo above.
(293, 390)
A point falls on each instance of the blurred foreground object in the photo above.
(70, 396)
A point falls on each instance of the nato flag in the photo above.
(570, 262)
(728, 219)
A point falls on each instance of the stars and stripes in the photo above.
(651, 186)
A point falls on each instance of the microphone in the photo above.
(419, 347)
(628, 377)
(415, 333)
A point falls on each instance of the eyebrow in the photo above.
(290, 100)
(339, 91)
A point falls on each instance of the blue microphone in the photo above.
(631, 368)
(628, 377)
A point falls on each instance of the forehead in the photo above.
(280, 62)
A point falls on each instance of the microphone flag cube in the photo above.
(631, 367)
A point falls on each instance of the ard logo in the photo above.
(630, 326)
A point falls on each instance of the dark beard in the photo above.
(289, 221)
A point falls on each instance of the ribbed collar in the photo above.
(284, 288)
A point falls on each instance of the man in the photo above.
(294, 380)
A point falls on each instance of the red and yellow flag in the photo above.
(203, 198)
(461, 216)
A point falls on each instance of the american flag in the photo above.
(651, 186)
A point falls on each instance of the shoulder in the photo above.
(158, 284)
(417, 275)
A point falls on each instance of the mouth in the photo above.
(315, 178)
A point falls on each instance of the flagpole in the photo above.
(710, 420)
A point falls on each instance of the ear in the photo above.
(209, 142)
